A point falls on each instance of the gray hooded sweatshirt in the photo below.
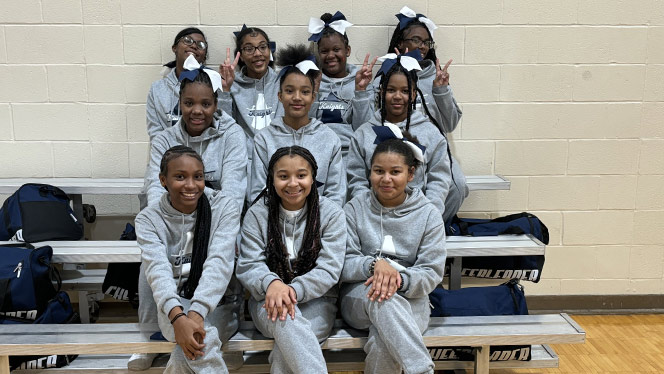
(252, 270)
(162, 230)
(323, 144)
(341, 107)
(162, 107)
(433, 177)
(241, 101)
(224, 156)
(418, 234)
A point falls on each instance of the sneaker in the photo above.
(234, 360)
(141, 361)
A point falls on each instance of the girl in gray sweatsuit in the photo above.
(294, 240)
(250, 93)
(341, 101)
(187, 242)
(220, 145)
(309, 133)
(406, 238)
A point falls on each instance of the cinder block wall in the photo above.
(564, 97)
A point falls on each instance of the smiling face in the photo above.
(410, 39)
(198, 105)
(333, 54)
(293, 180)
(389, 177)
(182, 50)
(185, 182)
(396, 97)
(258, 60)
(296, 95)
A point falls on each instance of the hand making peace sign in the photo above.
(364, 74)
(442, 76)
(227, 70)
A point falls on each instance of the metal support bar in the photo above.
(455, 274)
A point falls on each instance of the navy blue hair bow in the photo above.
(337, 22)
(391, 131)
(407, 15)
(236, 33)
(408, 60)
(192, 68)
(304, 66)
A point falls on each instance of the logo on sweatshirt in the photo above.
(332, 109)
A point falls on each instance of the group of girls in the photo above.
(273, 148)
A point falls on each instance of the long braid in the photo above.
(203, 220)
(200, 248)
(409, 79)
(275, 252)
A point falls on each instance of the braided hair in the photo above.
(411, 77)
(399, 35)
(203, 221)
(275, 251)
(290, 56)
(251, 31)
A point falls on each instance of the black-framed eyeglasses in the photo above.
(187, 40)
(419, 42)
(250, 49)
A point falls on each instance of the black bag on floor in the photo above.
(121, 280)
(501, 267)
(38, 212)
(59, 310)
(505, 299)
(26, 280)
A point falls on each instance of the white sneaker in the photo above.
(141, 361)
(234, 360)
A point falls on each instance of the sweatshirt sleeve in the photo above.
(252, 270)
(427, 272)
(357, 170)
(258, 166)
(154, 122)
(362, 106)
(439, 175)
(356, 265)
(218, 266)
(152, 187)
(447, 107)
(335, 183)
(330, 262)
(234, 165)
(225, 101)
(158, 269)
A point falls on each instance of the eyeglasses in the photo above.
(187, 40)
(419, 42)
(250, 49)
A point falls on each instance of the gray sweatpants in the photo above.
(457, 193)
(211, 362)
(226, 314)
(296, 342)
(395, 330)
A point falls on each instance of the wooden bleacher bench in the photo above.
(343, 348)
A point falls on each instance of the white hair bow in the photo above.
(396, 131)
(409, 13)
(316, 26)
(409, 63)
(192, 68)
